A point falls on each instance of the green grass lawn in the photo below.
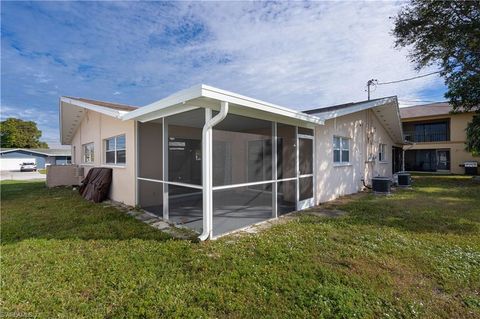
(414, 254)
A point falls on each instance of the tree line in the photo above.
(17, 133)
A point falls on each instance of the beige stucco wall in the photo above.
(333, 180)
(96, 127)
(456, 145)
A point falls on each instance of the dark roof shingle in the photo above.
(433, 109)
(115, 106)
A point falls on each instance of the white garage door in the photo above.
(13, 164)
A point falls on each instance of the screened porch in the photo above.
(260, 170)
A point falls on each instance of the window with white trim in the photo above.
(88, 153)
(341, 150)
(382, 155)
(115, 151)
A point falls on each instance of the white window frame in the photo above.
(341, 149)
(382, 153)
(115, 150)
(91, 158)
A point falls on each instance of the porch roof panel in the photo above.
(208, 96)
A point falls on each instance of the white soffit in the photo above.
(199, 95)
(386, 110)
(72, 112)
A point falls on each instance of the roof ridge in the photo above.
(103, 103)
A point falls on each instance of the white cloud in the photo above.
(296, 54)
(309, 56)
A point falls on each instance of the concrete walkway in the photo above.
(21, 176)
(154, 221)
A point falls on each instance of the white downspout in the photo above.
(207, 179)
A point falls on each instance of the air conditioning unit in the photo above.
(79, 171)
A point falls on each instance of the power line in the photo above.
(408, 79)
(423, 101)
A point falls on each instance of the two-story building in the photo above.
(437, 136)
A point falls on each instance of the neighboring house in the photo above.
(12, 158)
(217, 161)
(438, 138)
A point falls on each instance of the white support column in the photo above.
(165, 167)
(314, 161)
(403, 160)
(137, 164)
(207, 195)
(297, 165)
(207, 170)
(274, 170)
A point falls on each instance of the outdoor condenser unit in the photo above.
(471, 167)
(381, 185)
(404, 179)
(79, 172)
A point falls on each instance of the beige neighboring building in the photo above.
(217, 161)
(438, 138)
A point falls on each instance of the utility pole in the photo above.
(370, 83)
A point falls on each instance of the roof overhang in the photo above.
(72, 112)
(386, 110)
(33, 151)
(204, 96)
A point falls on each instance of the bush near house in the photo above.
(413, 254)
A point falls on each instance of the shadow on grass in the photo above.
(435, 204)
(30, 210)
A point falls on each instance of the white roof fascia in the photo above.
(93, 107)
(355, 108)
(400, 126)
(234, 98)
(176, 98)
(181, 97)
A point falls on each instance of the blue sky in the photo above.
(300, 55)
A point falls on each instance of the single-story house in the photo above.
(217, 161)
(12, 158)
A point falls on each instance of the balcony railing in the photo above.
(426, 137)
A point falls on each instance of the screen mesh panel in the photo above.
(286, 151)
(238, 207)
(185, 147)
(286, 197)
(306, 187)
(185, 206)
(150, 196)
(242, 151)
(150, 150)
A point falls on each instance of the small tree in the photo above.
(446, 34)
(16, 133)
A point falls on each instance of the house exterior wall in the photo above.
(334, 180)
(95, 128)
(456, 144)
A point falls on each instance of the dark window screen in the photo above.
(150, 150)
(306, 187)
(286, 196)
(150, 196)
(242, 148)
(286, 151)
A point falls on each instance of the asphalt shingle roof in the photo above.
(115, 106)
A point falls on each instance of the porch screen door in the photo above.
(305, 172)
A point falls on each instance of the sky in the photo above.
(300, 55)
